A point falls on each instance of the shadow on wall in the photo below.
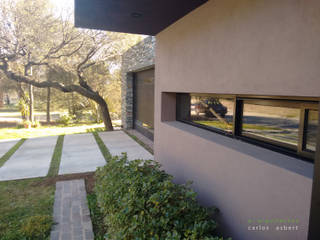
(300, 167)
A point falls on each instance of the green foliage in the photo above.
(96, 217)
(36, 227)
(28, 124)
(20, 125)
(47, 41)
(23, 108)
(139, 201)
(35, 124)
(65, 120)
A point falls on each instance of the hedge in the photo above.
(139, 201)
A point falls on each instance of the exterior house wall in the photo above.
(137, 58)
(260, 47)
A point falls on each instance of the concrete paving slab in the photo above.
(31, 160)
(6, 145)
(80, 153)
(118, 142)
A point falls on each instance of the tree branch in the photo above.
(67, 54)
(45, 84)
(81, 66)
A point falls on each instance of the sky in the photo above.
(64, 6)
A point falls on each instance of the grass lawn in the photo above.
(20, 200)
(104, 150)
(12, 133)
(56, 158)
(17, 114)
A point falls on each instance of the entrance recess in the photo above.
(143, 102)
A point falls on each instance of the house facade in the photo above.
(137, 87)
(236, 107)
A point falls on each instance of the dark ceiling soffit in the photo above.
(147, 17)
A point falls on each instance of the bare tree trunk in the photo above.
(105, 112)
(48, 104)
(31, 118)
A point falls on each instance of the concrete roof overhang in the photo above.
(147, 17)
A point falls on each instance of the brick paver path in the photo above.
(71, 212)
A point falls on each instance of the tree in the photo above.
(31, 36)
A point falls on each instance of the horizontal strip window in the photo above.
(285, 125)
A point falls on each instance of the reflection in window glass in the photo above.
(311, 137)
(280, 124)
(212, 112)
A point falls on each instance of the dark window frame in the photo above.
(304, 105)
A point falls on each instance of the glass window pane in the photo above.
(272, 123)
(212, 112)
(311, 133)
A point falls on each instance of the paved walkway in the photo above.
(80, 153)
(142, 138)
(5, 146)
(71, 212)
(31, 160)
(118, 142)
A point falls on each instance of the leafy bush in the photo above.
(28, 124)
(23, 108)
(65, 119)
(36, 227)
(20, 125)
(96, 217)
(36, 124)
(139, 201)
(24, 124)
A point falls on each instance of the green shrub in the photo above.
(65, 119)
(139, 201)
(96, 217)
(36, 227)
(36, 124)
(26, 124)
(24, 108)
(20, 125)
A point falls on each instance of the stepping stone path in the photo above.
(71, 213)
(80, 153)
(118, 142)
(31, 160)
